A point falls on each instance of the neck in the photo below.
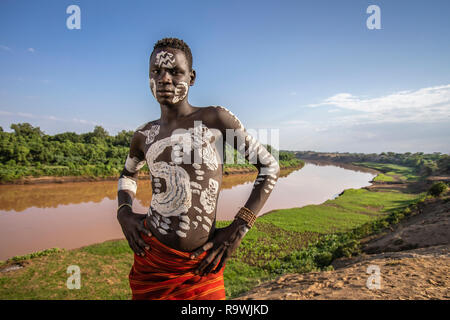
(171, 113)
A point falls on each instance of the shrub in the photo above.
(437, 189)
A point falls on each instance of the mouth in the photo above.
(164, 91)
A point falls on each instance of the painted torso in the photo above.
(183, 207)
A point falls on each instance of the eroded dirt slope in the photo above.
(413, 262)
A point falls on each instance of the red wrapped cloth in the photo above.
(167, 274)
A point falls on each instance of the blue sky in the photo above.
(310, 69)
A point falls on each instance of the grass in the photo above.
(384, 178)
(288, 240)
(392, 172)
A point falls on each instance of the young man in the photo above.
(179, 254)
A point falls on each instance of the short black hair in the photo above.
(175, 43)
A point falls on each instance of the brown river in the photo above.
(72, 215)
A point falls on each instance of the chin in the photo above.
(167, 102)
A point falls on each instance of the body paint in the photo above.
(133, 164)
(126, 183)
(153, 87)
(181, 91)
(165, 59)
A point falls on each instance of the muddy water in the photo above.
(71, 215)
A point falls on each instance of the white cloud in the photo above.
(296, 122)
(415, 120)
(424, 105)
(32, 50)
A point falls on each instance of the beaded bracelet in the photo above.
(247, 215)
(124, 204)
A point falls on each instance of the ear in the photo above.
(193, 76)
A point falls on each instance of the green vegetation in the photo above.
(437, 189)
(41, 253)
(289, 240)
(29, 152)
(383, 178)
(392, 172)
(419, 164)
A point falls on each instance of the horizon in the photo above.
(281, 150)
(313, 70)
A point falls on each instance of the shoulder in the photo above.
(144, 131)
(146, 126)
(225, 118)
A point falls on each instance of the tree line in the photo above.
(425, 164)
(28, 151)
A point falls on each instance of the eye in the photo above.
(155, 71)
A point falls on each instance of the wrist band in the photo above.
(247, 215)
(124, 204)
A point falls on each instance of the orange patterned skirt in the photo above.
(164, 273)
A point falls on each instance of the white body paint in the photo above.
(255, 152)
(150, 134)
(178, 192)
(176, 199)
(231, 113)
(128, 184)
(133, 164)
(208, 197)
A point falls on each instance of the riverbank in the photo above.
(280, 242)
(228, 170)
(412, 257)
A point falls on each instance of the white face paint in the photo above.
(181, 91)
(153, 87)
(165, 59)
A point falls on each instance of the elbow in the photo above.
(277, 169)
(274, 168)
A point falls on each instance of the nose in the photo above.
(165, 77)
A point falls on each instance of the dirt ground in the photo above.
(411, 261)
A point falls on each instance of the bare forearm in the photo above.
(127, 187)
(124, 197)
